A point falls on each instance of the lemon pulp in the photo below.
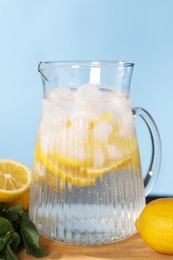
(15, 179)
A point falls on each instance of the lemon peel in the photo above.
(155, 225)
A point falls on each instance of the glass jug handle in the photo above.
(154, 167)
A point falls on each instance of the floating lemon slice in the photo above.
(79, 174)
(116, 166)
(15, 179)
(71, 174)
(58, 159)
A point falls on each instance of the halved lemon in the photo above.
(23, 200)
(15, 179)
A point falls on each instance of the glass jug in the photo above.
(88, 188)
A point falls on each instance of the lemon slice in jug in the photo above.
(112, 167)
(79, 173)
(68, 173)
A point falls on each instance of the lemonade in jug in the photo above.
(88, 187)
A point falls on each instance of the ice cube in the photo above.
(52, 130)
(88, 93)
(53, 114)
(70, 139)
(84, 115)
(75, 135)
(114, 152)
(87, 89)
(61, 94)
(127, 125)
(48, 139)
(72, 150)
(40, 169)
(99, 157)
(119, 103)
(102, 131)
(44, 139)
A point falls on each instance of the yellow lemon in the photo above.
(23, 200)
(15, 179)
(155, 225)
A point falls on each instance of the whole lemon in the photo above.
(155, 225)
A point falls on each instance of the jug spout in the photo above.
(113, 75)
(43, 69)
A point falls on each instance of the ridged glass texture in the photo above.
(87, 186)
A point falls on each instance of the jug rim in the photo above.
(44, 65)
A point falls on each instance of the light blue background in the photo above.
(133, 30)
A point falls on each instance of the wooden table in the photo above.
(131, 248)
